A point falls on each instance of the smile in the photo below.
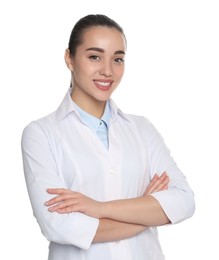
(103, 85)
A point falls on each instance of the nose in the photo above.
(106, 69)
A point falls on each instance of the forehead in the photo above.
(103, 37)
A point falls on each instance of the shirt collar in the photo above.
(91, 121)
(68, 106)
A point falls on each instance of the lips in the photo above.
(103, 84)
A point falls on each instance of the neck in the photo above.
(92, 106)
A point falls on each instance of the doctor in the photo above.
(101, 181)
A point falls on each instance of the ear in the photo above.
(68, 59)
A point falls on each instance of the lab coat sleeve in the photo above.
(178, 201)
(41, 172)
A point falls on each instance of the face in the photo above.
(98, 65)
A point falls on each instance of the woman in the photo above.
(100, 181)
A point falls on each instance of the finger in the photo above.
(155, 182)
(61, 198)
(156, 176)
(58, 190)
(151, 185)
(163, 175)
(162, 184)
(165, 187)
(158, 183)
(62, 205)
(65, 210)
(70, 209)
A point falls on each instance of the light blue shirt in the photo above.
(98, 125)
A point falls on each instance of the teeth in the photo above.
(104, 84)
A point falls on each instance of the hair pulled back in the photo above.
(84, 24)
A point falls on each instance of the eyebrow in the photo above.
(102, 50)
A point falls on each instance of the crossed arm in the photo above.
(119, 219)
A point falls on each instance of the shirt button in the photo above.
(112, 171)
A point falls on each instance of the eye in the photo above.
(94, 57)
(119, 60)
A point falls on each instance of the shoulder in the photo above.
(51, 120)
(134, 119)
(139, 120)
(39, 126)
(142, 125)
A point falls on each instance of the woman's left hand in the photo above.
(68, 201)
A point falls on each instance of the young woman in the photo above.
(100, 181)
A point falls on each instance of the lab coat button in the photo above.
(112, 171)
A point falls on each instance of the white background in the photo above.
(172, 77)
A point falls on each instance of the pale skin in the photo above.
(97, 69)
(118, 219)
(99, 59)
(68, 201)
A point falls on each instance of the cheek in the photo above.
(89, 70)
(82, 73)
(119, 72)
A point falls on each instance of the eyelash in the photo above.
(94, 57)
(117, 60)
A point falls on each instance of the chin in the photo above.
(103, 98)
